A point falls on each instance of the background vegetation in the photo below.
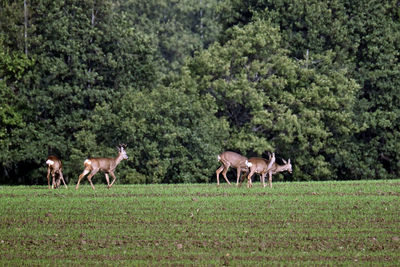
(181, 81)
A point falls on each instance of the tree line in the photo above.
(181, 81)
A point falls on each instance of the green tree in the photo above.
(12, 68)
(85, 54)
(376, 147)
(362, 37)
(176, 28)
(275, 103)
(172, 133)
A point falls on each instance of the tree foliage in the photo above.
(85, 55)
(171, 132)
(363, 38)
(275, 103)
(181, 81)
(176, 28)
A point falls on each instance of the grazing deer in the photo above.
(259, 166)
(262, 166)
(232, 159)
(54, 166)
(107, 165)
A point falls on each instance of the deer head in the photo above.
(122, 152)
(287, 166)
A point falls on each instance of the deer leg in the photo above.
(249, 183)
(242, 178)
(48, 176)
(218, 171)
(262, 179)
(226, 168)
(108, 180)
(270, 179)
(113, 176)
(62, 179)
(53, 185)
(90, 177)
(85, 171)
(58, 180)
(238, 172)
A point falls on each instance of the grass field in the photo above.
(327, 223)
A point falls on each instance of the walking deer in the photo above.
(54, 166)
(107, 165)
(262, 167)
(232, 159)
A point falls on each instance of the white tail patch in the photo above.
(219, 158)
(248, 164)
(49, 162)
(88, 162)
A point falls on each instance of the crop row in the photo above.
(201, 224)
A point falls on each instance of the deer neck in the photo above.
(118, 159)
(271, 163)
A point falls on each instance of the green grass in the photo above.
(329, 223)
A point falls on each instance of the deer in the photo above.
(107, 165)
(232, 159)
(262, 166)
(54, 166)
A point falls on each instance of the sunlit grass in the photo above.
(201, 224)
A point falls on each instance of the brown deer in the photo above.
(54, 166)
(262, 166)
(232, 159)
(107, 165)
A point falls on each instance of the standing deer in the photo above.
(263, 166)
(232, 159)
(54, 166)
(107, 165)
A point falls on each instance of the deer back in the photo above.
(233, 159)
(105, 164)
(259, 165)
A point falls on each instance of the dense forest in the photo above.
(181, 81)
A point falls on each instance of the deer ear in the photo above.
(289, 161)
(284, 161)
